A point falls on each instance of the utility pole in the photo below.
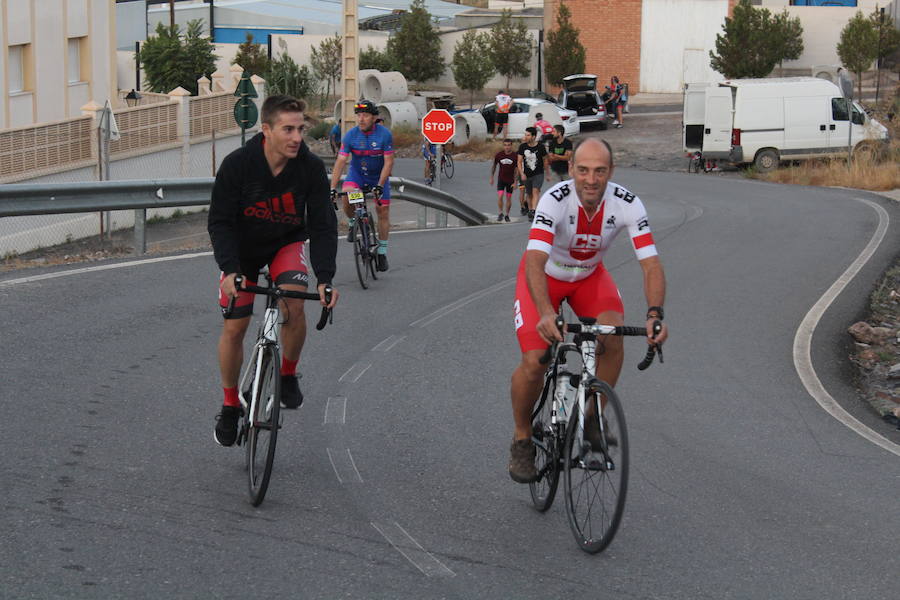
(878, 56)
(172, 13)
(350, 65)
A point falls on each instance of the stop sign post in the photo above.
(438, 127)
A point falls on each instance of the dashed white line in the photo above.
(346, 462)
(412, 551)
(803, 340)
(446, 310)
(353, 464)
(355, 372)
(386, 344)
(336, 410)
(331, 460)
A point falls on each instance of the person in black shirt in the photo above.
(269, 198)
(559, 152)
(532, 167)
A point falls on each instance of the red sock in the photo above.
(231, 397)
(288, 367)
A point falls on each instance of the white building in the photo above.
(57, 56)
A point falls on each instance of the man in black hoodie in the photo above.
(270, 197)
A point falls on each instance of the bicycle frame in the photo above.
(561, 409)
(268, 335)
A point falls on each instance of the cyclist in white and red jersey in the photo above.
(575, 222)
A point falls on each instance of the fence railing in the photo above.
(37, 149)
(17, 200)
(147, 127)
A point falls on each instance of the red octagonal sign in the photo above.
(438, 126)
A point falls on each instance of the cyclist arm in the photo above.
(222, 221)
(655, 291)
(321, 226)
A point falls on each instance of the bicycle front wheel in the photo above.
(373, 249)
(546, 442)
(361, 252)
(264, 422)
(447, 166)
(596, 478)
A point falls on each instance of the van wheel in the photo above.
(766, 160)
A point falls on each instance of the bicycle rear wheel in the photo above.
(596, 481)
(263, 424)
(546, 441)
(447, 166)
(361, 252)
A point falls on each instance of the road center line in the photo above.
(453, 306)
(336, 410)
(355, 372)
(803, 339)
(412, 551)
(386, 344)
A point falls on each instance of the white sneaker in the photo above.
(615, 121)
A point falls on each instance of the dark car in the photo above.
(580, 94)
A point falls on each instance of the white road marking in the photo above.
(122, 265)
(355, 372)
(346, 462)
(803, 339)
(446, 310)
(336, 410)
(386, 344)
(412, 551)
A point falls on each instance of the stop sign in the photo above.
(438, 126)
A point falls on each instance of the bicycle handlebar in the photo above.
(595, 330)
(365, 189)
(283, 293)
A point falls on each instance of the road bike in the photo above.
(363, 234)
(697, 163)
(261, 383)
(571, 404)
(446, 167)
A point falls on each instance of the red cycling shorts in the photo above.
(288, 265)
(597, 293)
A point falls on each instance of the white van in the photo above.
(764, 121)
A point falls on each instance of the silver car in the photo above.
(580, 94)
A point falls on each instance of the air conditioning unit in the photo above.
(828, 72)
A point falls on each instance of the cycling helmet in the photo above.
(365, 106)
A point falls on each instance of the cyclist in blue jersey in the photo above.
(370, 150)
(429, 153)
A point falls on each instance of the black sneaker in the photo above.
(381, 263)
(506, 218)
(227, 425)
(499, 217)
(291, 396)
(351, 233)
(521, 461)
(531, 215)
(523, 209)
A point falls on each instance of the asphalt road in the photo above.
(390, 482)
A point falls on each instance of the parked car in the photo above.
(580, 94)
(521, 115)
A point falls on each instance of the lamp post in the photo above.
(132, 98)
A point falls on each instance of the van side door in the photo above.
(806, 126)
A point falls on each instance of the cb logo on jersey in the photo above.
(584, 245)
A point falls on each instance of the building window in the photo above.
(75, 60)
(16, 69)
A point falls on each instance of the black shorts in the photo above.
(505, 186)
(501, 118)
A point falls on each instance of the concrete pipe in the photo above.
(361, 77)
(385, 87)
(338, 110)
(470, 126)
(398, 114)
(421, 104)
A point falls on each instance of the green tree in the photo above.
(415, 46)
(745, 48)
(563, 53)
(887, 35)
(252, 57)
(787, 38)
(284, 76)
(171, 60)
(858, 46)
(373, 58)
(510, 47)
(471, 65)
(326, 62)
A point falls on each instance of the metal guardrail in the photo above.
(140, 194)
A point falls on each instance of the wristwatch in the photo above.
(658, 310)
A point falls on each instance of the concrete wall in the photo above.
(669, 61)
(45, 28)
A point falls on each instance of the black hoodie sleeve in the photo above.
(223, 214)
(321, 223)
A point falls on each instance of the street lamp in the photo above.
(132, 98)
